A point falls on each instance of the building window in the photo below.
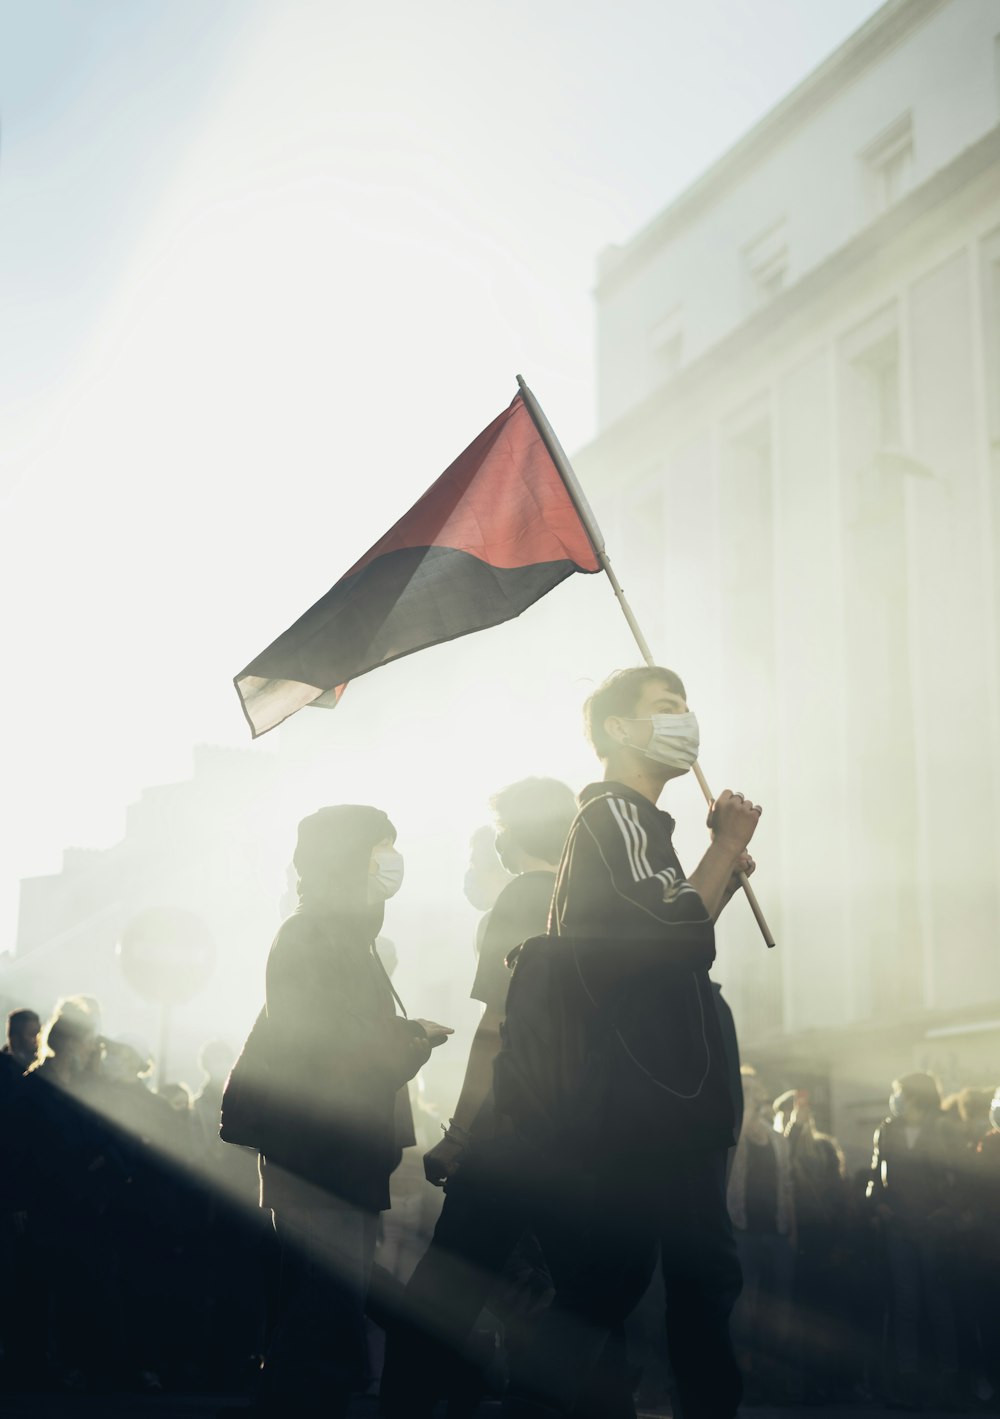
(888, 164)
(765, 262)
(872, 420)
(666, 346)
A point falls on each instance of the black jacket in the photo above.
(339, 1054)
(917, 1182)
(648, 943)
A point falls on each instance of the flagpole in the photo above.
(579, 500)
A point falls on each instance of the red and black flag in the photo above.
(495, 532)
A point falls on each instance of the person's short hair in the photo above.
(84, 1008)
(973, 1103)
(216, 1058)
(72, 1023)
(536, 813)
(618, 695)
(922, 1090)
(18, 1019)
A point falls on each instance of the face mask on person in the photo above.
(675, 740)
(387, 878)
(897, 1104)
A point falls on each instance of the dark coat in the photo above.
(918, 1183)
(341, 1054)
(338, 1051)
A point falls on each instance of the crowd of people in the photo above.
(878, 1284)
(625, 1212)
(132, 1254)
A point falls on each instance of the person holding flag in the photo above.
(629, 1117)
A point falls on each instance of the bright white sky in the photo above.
(265, 268)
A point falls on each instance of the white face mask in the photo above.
(675, 741)
(387, 878)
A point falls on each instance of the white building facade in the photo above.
(798, 467)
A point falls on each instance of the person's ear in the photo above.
(614, 728)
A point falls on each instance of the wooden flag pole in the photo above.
(589, 521)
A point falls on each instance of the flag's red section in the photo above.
(496, 531)
(502, 500)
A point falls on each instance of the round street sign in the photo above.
(167, 955)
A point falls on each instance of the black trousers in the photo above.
(601, 1237)
(317, 1352)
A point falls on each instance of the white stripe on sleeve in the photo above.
(627, 834)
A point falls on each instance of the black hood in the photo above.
(331, 859)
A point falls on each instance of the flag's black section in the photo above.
(403, 602)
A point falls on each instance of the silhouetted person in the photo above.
(986, 1232)
(18, 1054)
(762, 1208)
(123, 1095)
(17, 1287)
(647, 1169)
(20, 1048)
(913, 1189)
(337, 1054)
(969, 1111)
(74, 1180)
(967, 1117)
(485, 875)
(820, 1284)
(476, 1232)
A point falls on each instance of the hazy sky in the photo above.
(265, 268)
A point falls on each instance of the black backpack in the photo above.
(579, 1068)
(550, 1075)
